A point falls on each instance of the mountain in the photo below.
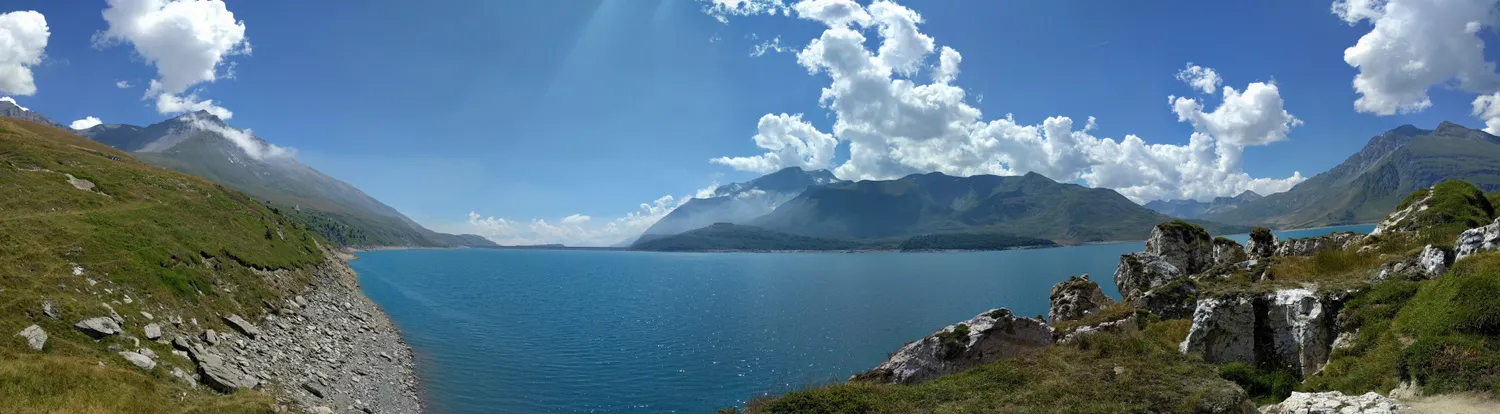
(201, 144)
(1030, 206)
(1371, 182)
(14, 111)
(1196, 209)
(740, 202)
(735, 237)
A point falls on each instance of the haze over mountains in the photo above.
(201, 144)
(1196, 209)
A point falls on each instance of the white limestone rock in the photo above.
(1335, 403)
(992, 336)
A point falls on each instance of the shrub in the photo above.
(1264, 386)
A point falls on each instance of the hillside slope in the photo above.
(132, 238)
(1031, 206)
(739, 203)
(1371, 182)
(196, 144)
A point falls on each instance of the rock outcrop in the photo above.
(1141, 272)
(240, 324)
(1478, 239)
(1314, 245)
(98, 327)
(1175, 300)
(991, 336)
(1430, 263)
(1184, 245)
(1293, 328)
(1228, 252)
(1262, 243)
(1076, 298)
(1335, 403)
(35, 337)
(1402, 220)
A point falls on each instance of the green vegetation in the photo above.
(1265, 386)
(1112, 312)
(153, 240)
(971, 241)
(1103, 373)
(954, 341)
(1452, 207)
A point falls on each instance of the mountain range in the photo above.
(739, 203)
(1371, 182)
(201, 144)
(1195, 209)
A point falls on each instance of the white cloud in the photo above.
(791, 142)
(774, 45)
(172, 104)
(13, 102)
(122, 84)
(23, 39)
(85, 123)
(244, 138)
(1201, 78)
(574, 230)
(1415, 45)
(722, 9)
(1487, 107)
(895, 126)
(187, 42)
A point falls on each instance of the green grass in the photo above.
(1104, 373)
(1264, 386)
(174, 244)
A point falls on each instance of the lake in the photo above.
(614, 331)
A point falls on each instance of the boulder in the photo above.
(211, 337)
(1075, 298)
(1313, 245)
(1477, 239)
(1335, 403)
(1182, 244)
(991, 336)
(98, 327)
(1434, 260)
(1128, 324)
(1430, 263)
(153, 331)
(181, 343)
(48, 310)
(245, 327)
(35, 337)
(1175, 300)
(223, 378)
(1262, 243)
(313, 389)
(1140, 272)
(1292, 328)
(139, 360)
(1228, 252)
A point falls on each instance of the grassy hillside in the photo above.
(141, 239)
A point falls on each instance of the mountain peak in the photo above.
(1449, 127)
(1248, 195)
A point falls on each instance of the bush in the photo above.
(954, 341)
(1264, 386)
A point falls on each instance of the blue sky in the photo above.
(520, 111)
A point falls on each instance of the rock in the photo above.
(47, 310)
(147, 315)
(1313, 245)
(1397, 221)
(224, 379)
(1223, 330)
(1184, 245)
(115, 348)
(1477, 239)
(320, 410)
(1228, 252)
(1262, 243)
(1175, 300)
(147, 352)
(991, 336)
(1123, 325)
(245, 327)
(313, 389)
(1434, 260)
(211, 337)
(301, 302)
(1292, 328)
(1140, 272)
(98, 327)
(1335, 403)
(181, 343)
(1075, 298)
(153, 331)
(139, 360)
(35, 337)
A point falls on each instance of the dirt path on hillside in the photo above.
(1453, 404)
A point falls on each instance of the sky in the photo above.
(582, 122)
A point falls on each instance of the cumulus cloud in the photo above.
(722, 9)
(244, 138)
(23, 38)
(575, 219)
(85, 123)
(1201, 78)
(13, 102)
(895, 126)
(122, 84)
(187, 42)
(574, 230)
(1415, 45)
(790, 141)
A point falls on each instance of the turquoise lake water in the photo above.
(614, 332)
